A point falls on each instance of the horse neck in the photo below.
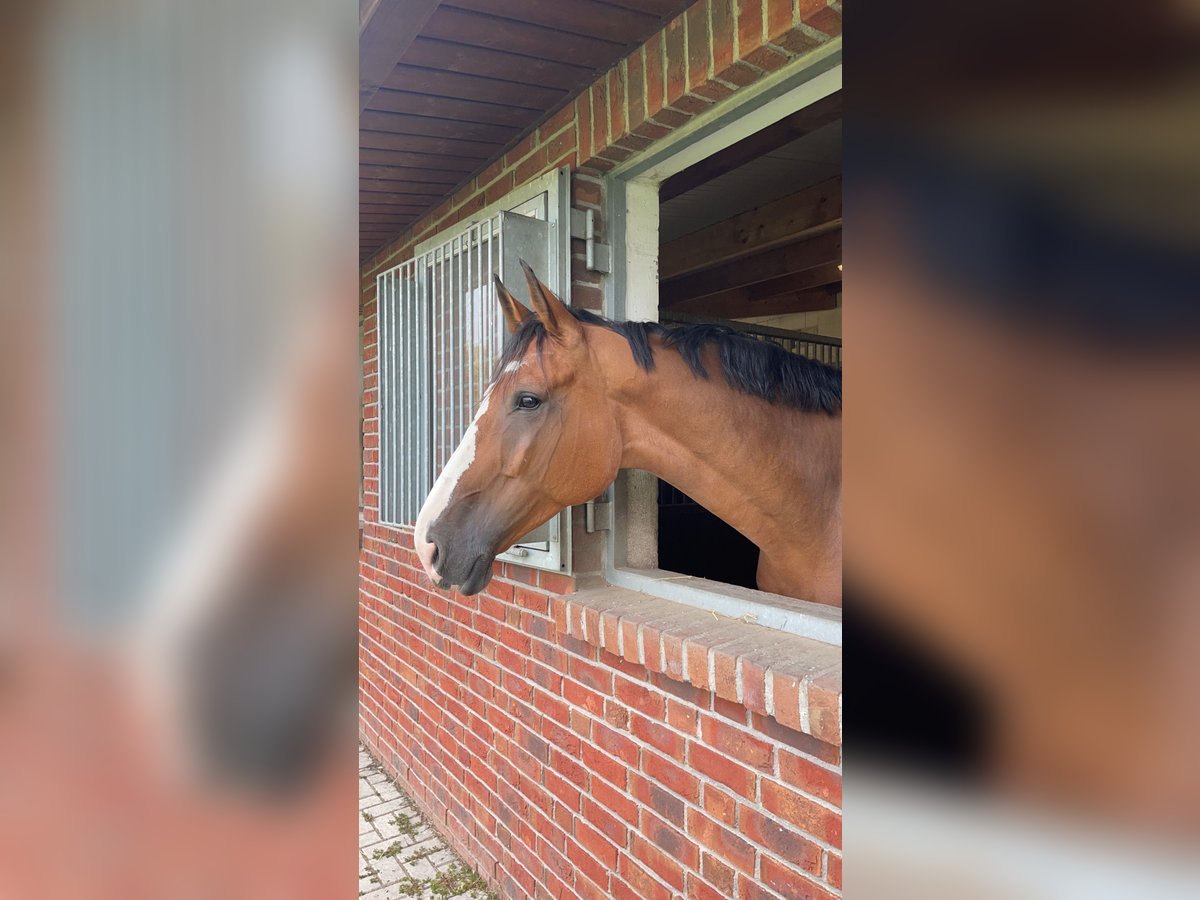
(771, 471)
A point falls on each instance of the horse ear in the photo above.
(515, 312)
(560, 323)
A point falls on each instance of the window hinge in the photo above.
(583, 227)
(598, 516)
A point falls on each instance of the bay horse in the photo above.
(576, 397)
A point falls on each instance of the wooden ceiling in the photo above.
(446, 87)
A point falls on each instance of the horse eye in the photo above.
(528, 401)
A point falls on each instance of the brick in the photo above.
(781, 840)
(682, 717)
(630, 646)
(806, 815)
(786, 699)
(790, 884)
(824, 707)
(556, 583)
(557, 121)
(675, 40)
(583, 125)
(529, 168)
(640, 697)
(599, 94)
(721, 841)
(596, 844)
(724, 34)
(754, 685)
(698, 890)
(616, 103)
(767, 58)
(718, 873)
(720, 805)
(662, 863)
(798, 740)
(560, 146)
(661, 738)
(713, 90)
(749, 26)
(663, 802)
(738, 744)
(672, 776)
(587, 864)
(584, 698)
(833, 869)
(725, 666)
(616, 714)
(779, 18)
(593, 676)
(615, 802)
(731, 710)
(670, 118)
(643, 885)
(609, 825)
(616, 743)
(810, 777)
(722, 769)
(821, 15)
(655, 77)
(635, 87)
(798, 41)
(698, 51)
(604, 765)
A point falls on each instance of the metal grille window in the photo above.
(440, 332)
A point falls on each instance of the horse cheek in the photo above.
(515, 453)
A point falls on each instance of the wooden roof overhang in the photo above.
(447, 86)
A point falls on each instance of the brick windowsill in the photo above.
(795, 680)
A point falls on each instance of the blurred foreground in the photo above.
(1022, 273)
(178, 402)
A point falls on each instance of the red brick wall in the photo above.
(564, 769)
(558, 757)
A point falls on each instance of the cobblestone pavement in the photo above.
(399, 853)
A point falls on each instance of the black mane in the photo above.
(759, 368)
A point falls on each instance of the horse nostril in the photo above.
(436, 553)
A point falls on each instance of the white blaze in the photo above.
(443, 490)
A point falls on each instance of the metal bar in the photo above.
(381, 376)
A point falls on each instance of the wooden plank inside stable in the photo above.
(399, 123)
(386, 31)
(441, 83)
(477, 30)
(587, 17)
(452, 108)
(495, 64)
(814, 116)
(806, 213)
(809, 279)
(798, 257)
(736, 306)
(424, 161)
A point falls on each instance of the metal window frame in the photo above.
(412, 290)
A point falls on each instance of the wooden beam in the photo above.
(736, 306)
(386, 30)
(819, 277)
(826, 110)
(807, 213)
(771, 264)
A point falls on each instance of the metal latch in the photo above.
(598, 516)
(583, 227)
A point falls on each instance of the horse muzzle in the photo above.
(468, 567)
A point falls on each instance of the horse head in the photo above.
(545, 437)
